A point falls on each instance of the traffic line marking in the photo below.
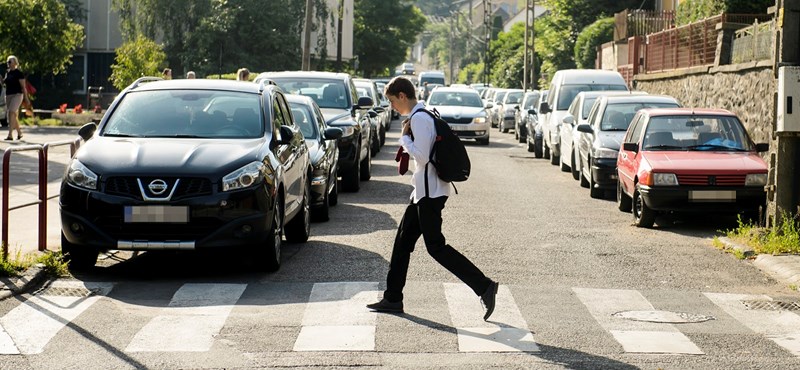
(781, 327)
(336, 319)
(30, 326)
(634, 336)
(506, 330)
(195, 315)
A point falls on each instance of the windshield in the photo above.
(530, 103)
(455, 98)
(498, 98)
(305, 119)
(186, 114)
(617, 117)
(696, 133)
(568, 92)
(327, 93)
(431, 80)
(514, 97)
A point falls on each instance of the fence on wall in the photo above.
(753, 43)
(629, 23)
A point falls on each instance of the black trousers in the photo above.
(425, 219)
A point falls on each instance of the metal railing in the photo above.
(629, 23)
(753, 43)
(43, 152)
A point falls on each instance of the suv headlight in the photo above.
(479, 120)
(755, 179)
(244, 177)
(665, 179)
(347, 130)
(605, 153)
(81, 176)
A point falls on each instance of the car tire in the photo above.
(4, 122)
(268, 256)
(545, 150)
(538, 151)
(504, 129)
(482, 141)
(516, 133)
(554, 159)
(333, 197)
(375, 144)
(564, 167)
(299, 228)
(522, 138)
(623, 200)
(594, 191)
(365, 168)
(532, 148)
(78, 258)
(643, 216)
(351, 178)
(322, 213)
(576, 173)
(383, 135)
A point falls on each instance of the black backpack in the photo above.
(451, 162)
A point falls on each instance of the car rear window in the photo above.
(328, 93)
(186, 114)
(305, 119)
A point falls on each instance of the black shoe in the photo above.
(488, 299)
(386, 306)
(9, 138)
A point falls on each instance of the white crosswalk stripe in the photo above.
(335, 318)
(196, 313)
(781, 327)
(634, 336)
(30, 326)
(506, 330)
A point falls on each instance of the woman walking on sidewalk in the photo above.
(15, 94)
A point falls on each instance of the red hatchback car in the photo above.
(689, 160)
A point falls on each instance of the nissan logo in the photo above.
(158, 186)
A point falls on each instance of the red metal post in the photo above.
(42, 198)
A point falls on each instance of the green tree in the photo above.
(40, 33)
(594, 35)
(383, 32)
(134, 59)
(693, 10)
(434, 7)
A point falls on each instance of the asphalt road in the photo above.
(566, 263)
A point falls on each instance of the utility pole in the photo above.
(525, 65)
(487, 27)
(452, 41)
(529, 60)
(340, 13)
(307, 37)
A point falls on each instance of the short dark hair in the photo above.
(401, 85)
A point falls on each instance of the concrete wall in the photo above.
(746, 90)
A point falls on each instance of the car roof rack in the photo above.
(144, 79)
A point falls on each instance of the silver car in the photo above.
(463, 109)
(506, 114)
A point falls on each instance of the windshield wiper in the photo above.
(664, 146)
(187, 136)
(118, 135)
(615, 129)
(714, 146)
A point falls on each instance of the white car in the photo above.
(463, 110)
(510, 105)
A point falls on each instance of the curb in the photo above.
(784, 267)
(11, 286)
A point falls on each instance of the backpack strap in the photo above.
(430, 158)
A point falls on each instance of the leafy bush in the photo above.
(694, 10)
(782, 239)
(137, 58)
(594, 35)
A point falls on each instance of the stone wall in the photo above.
(746, 91)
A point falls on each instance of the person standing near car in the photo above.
(423, 215)
(16, 93)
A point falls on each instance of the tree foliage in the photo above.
(594, 35)
(134, 59)
(40, 33)
(384, 30)
(434, 7)
(694, 10)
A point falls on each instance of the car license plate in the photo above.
(157, 214)
(712, 195)
(458, 127)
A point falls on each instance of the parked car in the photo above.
(336, 96)
(463, 110)
(689, 160)
(577, 114)
(534, 125)
(480, 87)
(565, 86)
(600, 136)
(381, 84)
(521, 114)
(323, 152)
(378, 115)
(497, 105)
(188, 165)
(511, 100)
(432, 78)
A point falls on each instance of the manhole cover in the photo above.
(666, 317)
(771, 305)
(65, 292)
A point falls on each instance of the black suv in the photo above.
(188, 165)
(336, 96)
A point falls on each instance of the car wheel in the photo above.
(270, 254)
(516, 133)
(554, 159)
(545, 151)
(322, 213)
(623, 200)
(576, 174)
(594, 191)
(375, 145)
(532, 148)
(643, 216)
(366, 167)
(78, 258)
(333, 197)
(522, 138)
(383, 135)
(564, 167)
(482, 141)
(299, 228)
(350, 179)
(583, 180)
(538, 151)
(504, 128)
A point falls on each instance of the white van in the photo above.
(565, 86)
(433, 78)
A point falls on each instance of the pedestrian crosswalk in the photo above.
(334, 318)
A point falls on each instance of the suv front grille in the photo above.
(129, 187)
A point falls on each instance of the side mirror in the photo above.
(762, 147)
(585, 127)
(489, 106)
(631, 147)
(332, 133)
(286, 135)
(532, 111)
(364, 102)
(545, 108)
(87, 131)
(568, 120)
(516, 107)
(372, 114)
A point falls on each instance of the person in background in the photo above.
(423, 215)
(166, 74)
(190, 75)
(16, 92)
(243, 74)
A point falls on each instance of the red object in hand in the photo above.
(62, 108)
(401, 157)
(78, 108)
(98, 109)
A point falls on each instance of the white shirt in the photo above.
(420, 150)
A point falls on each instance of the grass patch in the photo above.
(784, 239)
(15, 264)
